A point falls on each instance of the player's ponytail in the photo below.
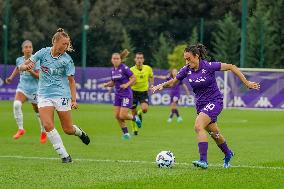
(202, 50)
(124, 54)
(61, 33)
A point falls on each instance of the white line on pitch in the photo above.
(136, 161)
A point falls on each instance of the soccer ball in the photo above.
(165, 159)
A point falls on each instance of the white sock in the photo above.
(55, 139)
(18, 114)
(40, 123)
(78, 131)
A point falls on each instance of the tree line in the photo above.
(158, 28)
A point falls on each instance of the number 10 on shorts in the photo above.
(209, 106)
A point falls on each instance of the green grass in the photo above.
(255, 136)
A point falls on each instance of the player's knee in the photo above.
(198, 127)
(144, 110)
(17, 104)
(122, 116)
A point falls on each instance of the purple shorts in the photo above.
(174, 98)
(121, 101)
(212, 109)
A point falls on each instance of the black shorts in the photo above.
(140, 97)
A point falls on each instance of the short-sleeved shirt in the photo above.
(28, 83)
(119, 76)
(175, 90)
(142, 78)
(54, 72)
(202, 81)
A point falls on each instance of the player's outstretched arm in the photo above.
(186, 89)
(237, 72)
(12, 76)
(72, 85)
(167, 84)
(132, 80)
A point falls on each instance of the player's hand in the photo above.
(157, 87)
(253, 85)
(29, 66)
(102, 85)
(8, 80)
(74, 105)
(124, 86)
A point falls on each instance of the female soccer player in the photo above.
(209, 101)
(122, 78)
(57, 90)
(26, 90)
(174, 94)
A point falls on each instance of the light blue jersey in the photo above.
(54, 72)
(28, 83)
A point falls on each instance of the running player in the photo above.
(26, 90)
(174, 94)
(144, 76)
(57, 90)
(121, 79)
(209, 100)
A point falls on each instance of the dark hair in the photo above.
(139, 53)
(197, 49)
(123, 54)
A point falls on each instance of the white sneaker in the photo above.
(179, 119)
(169, 120)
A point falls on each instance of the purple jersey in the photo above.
(175, 90)
(121, 76)
(202, 81)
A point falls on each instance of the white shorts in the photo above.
(60, 104)
(32, 98)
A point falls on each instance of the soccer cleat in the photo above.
(19, 133)
(135, 133)
(67, 159)
(126, 136)
(227, 159)
(179, 119)
(84, 137)
(201, 164)
(138, 121)
(169, 120)
(43, 137)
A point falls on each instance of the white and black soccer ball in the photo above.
(165, 159)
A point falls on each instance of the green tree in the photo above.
(261, 38)
(127, 44)
(161, 53)
(226, 40)
(193, 37)
(176, 59)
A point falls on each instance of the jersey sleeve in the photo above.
(214, 66)
(150, 72)
(70, 68)
(38, 55)
(127, 71)
(182, 73)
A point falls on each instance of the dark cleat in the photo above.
(84, 137)
(67, 159)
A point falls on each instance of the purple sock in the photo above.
(203, 147)
(172, 113)
(225, 149)
(124, 130)
(177, 113)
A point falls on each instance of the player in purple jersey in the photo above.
(174, 94)
(209, 100)
(121, 79)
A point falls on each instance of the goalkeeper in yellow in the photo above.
(144, 77)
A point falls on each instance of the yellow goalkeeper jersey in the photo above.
(142, 77)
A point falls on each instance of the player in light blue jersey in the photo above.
(26, 90)
(57, 90)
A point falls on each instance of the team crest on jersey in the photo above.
(120, 70)
(203, 71)
(44, 69)
(189, 72)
